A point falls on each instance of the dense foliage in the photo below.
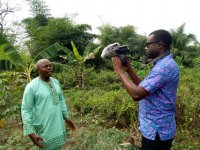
(103, 109)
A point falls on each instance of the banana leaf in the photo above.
(92, 54)
(49, 52)
(11, 52)
(6, 65)
(86, 52)
(58, 68)
(76, 53)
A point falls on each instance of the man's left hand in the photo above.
(70, 124)
(117, 64)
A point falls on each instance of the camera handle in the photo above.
(123, 59)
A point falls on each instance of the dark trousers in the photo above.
(156, 144)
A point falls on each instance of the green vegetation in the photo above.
(105, 115)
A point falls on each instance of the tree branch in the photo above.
(5, 10)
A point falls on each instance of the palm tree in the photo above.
(181, 40)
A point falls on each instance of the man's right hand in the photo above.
(36, 140)
(127, 68)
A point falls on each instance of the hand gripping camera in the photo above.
(116, 50)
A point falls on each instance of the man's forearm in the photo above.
(134, 77)
(128, 85)
(136, 92)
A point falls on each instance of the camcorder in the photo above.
(116, 50)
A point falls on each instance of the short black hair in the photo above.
(163, 36)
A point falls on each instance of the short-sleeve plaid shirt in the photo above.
(157, 111)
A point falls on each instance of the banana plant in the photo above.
(5, 65)
(14, 58)
(47, 53)
(88, 54)
(9, 51)
(50, 52)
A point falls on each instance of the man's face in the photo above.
(45, 68)
(152, 47)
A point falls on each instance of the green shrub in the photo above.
(11, 90)
(115, 106)
(188, 98)
(96, 138)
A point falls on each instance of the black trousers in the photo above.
(156, 144)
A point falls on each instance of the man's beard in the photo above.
(151, 56)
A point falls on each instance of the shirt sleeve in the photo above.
(27, 111)
(155, 80)
(63, 104)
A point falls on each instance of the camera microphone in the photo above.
(116, 50)
(110, 51)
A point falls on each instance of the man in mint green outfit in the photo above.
(44, 110)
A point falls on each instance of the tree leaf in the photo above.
(96, 50)
(76, 53)
(49, 52)
(6, 65)
(92, 54)
(58, 67)
(12, 53)
(86, 52)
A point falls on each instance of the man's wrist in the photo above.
(31, 135)
(67, 119)
(129, 70)
(120, 72)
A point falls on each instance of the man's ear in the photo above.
(161, 44)
(36, 68)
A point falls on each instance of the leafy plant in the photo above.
(10, 51)
(50, 52)
(88, 54)
(27, 67)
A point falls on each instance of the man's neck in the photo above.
(46, 79)
(162, 55)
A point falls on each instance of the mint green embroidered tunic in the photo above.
(44, 110)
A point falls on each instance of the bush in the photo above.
(188, 98)
(114, 107)
(11, 89)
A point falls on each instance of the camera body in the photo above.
(122, 51)
(116, 50)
